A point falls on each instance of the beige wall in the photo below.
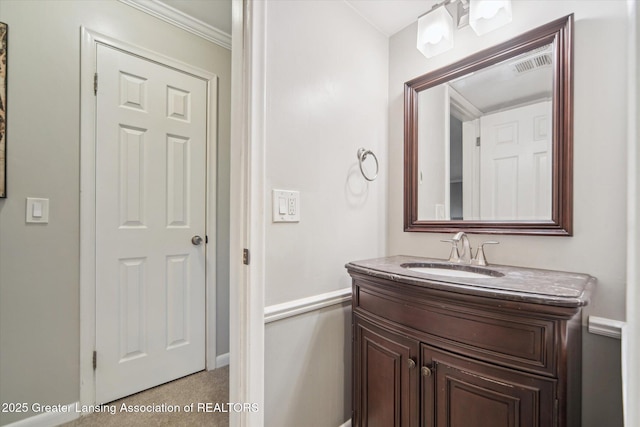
(39, 264)
(308, 375)
(631, 334)
(326, 97)
(600, 143)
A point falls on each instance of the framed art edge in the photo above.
(4, 42)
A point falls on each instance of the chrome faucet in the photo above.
(480, 259)
(465, 255)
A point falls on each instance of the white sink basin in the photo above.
(453, 270)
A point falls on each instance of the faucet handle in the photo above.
(480, 259)
(454, 256)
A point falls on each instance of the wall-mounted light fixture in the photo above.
(435, 31)
(436, 27)
(488, 15)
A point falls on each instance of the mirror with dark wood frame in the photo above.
(489, 139)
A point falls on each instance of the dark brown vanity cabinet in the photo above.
(386, 376)
(460, 391)
(426, 356)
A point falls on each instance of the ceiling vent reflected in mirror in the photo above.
(533, 63)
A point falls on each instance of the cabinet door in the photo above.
(385, 377)
(462, 392)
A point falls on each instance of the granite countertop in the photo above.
(515, 283)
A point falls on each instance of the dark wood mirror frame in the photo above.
(559, 32)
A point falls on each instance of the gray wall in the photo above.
(600, 138)
(39, 264)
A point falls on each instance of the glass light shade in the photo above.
(435, 32)
(488, 15)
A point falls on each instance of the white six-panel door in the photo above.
(151, 128)
(515, 164)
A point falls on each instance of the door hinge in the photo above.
(95, 84)
(206, 239)
(95, 360)
(477, 141)
(246, 256)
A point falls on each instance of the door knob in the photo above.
(411, 363)
(196, 240)
(426, 371)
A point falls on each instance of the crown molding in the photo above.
(181, 20)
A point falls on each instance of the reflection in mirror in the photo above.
(488, 140)
(484, 142)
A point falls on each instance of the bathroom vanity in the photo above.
(444, 344)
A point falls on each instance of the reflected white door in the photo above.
(515, 164)
(150, 202)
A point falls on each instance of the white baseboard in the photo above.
(347, 424)
(305, 305)
(607, 327)
(222, 360)
(48, 419)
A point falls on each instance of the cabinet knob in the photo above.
(426, 371)
(411, 363)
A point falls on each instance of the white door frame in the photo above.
(631, 331)
(248, 223)
(89, 41)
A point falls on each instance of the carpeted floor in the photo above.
(208, 391)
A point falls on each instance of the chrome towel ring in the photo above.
(362, 155)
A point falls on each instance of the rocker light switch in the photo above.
(286, 206)
(37, 210)
(282, 205)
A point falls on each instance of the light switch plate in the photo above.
(286, 206)
(37, 210)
